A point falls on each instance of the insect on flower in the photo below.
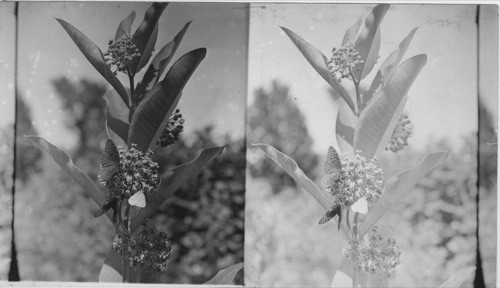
(109, 168)
(332, 169)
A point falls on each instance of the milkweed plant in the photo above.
(139, 117)
(371, 120)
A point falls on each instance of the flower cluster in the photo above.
(137, 173)
(344, 61)
(148, 248)
(359, 177)
(377, 256)
(400, 135)
(171, 132)
(121, 54)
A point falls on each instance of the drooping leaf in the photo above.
(319, 62)
(291, 167)
(95, 57)
(351, 33)
(456, 279)
(117, 115)
(172, 180)
(64, 161)
(378, 120)
(145, 31)
(124, 27)
(391, 63)
(225, 276)
(366, 40)
(159, 63)
(398, 186)
(153, 112)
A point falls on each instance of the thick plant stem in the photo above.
(131, 99)
(358, 95)
(354, 277)
(355, 235)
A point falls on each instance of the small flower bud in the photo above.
(400, 135)
(172, 130)
(344, 61)
(121, 54)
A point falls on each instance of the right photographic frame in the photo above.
(372, 145)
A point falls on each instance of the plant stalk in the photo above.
(358, 95)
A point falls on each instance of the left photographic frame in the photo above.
(130, 160)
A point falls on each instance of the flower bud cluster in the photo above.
(344, 61)
(359, 177)
(400, 135)
(173, 129)
(122, 54)
(376, 256)
(137, 173)
(148, 248)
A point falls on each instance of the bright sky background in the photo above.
(215, 94)
(443, 99)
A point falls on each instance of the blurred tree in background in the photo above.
(56, 225)
(275, 119)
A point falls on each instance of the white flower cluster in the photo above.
(376, 256)
(137, 173)
(344, 61)
(359, 177)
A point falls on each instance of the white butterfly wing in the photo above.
(138, 200)
(360, 206)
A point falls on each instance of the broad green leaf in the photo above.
(376, 83)
(304, 182)
(153, 112)
(173, 180)
(145, 31)
(378, 120)
(159, 63)
(319, 62)
(351, 33)
(366, 40)
(391, 63)
(124, 27)
(225, 276)
(64, 161)
(95, 57)
(117, 115)
(457, 279)
(398, 186)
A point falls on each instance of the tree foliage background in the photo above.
(59, 239)
(434, 226)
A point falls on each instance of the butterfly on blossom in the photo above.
(332, 169)
(109, 168)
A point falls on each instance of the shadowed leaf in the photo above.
(116, 117)
(64, 161)
(291, 167)
(172, 180)
(95, 57)
(368, 42)
(391, 63)
(344, 127)
(378, 120)
(153, 112)
(160, 62)
(225, 276)
(351, 33)
(145, 31)
(148, 50)
(319, 62)
(124, 27)
(398, 186)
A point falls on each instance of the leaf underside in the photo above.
(225, 276)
